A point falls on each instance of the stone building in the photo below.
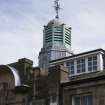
(23, 84)
(15, 81)
(62, 77)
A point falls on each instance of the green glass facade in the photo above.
(56, 32)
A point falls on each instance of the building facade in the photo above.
(22, 84)
(86, 89)
(62, 78)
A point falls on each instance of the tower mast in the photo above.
(57, 8)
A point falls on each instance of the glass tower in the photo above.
(57, 33)
(56, 42)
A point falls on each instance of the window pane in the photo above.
(78, 61)
(83, 66)
(83, 70)
(78, 71)
(72, 72)
(90, 68)
(94, 68)
(78, 66)
(72, 67)
(84, 100)
(83, 60)
(94, 62)
(90, 59)
(89, 100)
(89, 63)
(94, 57)
(77, 101)
(72, 63)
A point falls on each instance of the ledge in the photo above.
(84, 78)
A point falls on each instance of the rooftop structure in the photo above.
(86, 62)
(56, 41)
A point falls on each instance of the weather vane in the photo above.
(57, 8)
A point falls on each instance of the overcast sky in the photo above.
(22, 21)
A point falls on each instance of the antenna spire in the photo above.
(57, 8)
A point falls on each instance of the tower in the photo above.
(56, 40)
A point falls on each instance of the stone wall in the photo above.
(94, 86)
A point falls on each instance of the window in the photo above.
(82, 100)
(80, 65)
(92, 63)
(70, 66)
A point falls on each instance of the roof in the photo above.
(80, 54)
(55, 22)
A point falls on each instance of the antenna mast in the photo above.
(57, 8)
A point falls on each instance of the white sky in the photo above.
(22, 21)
